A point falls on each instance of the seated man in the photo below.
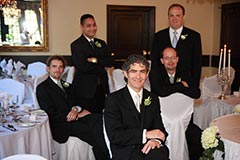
(66, 118)
(132, 116)
(170, 79)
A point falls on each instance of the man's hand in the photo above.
(156, 133)
(92, 59)
(83, 113)
(72, 115)
(184, 83)
(151, 144)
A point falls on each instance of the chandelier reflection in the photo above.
(9, 8)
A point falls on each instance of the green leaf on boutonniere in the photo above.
(184, 36)
(98, 44)
(147, 101)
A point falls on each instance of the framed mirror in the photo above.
(24, 27)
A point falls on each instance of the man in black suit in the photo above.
(171, 79)
(187, 41)
(65, 117)
(91, 59)
(182, 81)
(132, 116)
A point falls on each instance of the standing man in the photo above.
(91, 59)
(186, 41)
(172, 78)
(132, 116)
(65, 117)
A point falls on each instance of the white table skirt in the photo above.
(212, 108)
(30, 140)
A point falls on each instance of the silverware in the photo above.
(10, 127)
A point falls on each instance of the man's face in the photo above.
(136, 75)
(175, 17)
(89, 27)
(169, 59)
(56, 69)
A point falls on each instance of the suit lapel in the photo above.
(55, 87)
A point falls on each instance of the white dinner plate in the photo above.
(26, 124)
(39, 111)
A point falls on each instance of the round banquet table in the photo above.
(32, 139)
(229, 130)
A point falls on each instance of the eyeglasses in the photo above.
(169, 58)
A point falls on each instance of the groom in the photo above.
(134, 125)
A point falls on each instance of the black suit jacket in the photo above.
(57, 105)
(189, 51)
(89, 75)
(124, 124)
(161, 86)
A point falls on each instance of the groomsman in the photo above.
(66, 118)
(132, 116)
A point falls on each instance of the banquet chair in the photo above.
(36, 69)
(118, 79)
(68, 74)
(73, 149)
(176, 111)
(37, 81)
(14, 88)
(25, 157)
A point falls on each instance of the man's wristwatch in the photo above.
(77, 108)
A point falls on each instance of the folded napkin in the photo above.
(9, 67)
(3, 64)
(18, 66)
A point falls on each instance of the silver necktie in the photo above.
(174, 41)
(137, 102)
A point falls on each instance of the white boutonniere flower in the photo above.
(66, 84)
(98, 44)
(178, 79)
(237, 109)
(147, 101)
(211, 141)
(184, 36)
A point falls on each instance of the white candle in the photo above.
(220, 62)
(229, 61)
(224, 56)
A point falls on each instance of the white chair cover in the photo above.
(111, 82)
(68, 74)
(14, 88)
(37, 81)
(25, 157)
(36, 69)
(176, 111)
(73, 149)
(118, 79)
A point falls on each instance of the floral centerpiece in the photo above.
(237, 109)
(211, 141)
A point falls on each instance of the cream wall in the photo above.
(201, 15)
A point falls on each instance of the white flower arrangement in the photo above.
(98, 44)
(237, 109)
(184, 36)
(211, 141)
(147, 101)
(66, 84)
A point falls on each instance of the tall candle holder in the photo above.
(223, 80)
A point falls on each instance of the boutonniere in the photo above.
(147, 101)
(237, 109)
(184, 36)
(98, 44)
(66, 84)
(178, 79)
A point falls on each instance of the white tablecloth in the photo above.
(28, 140)
(229, 130)
(212, 108)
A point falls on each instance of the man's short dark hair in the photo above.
(177, 5)
(135, 58)
(84, 17)
(56, 57)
